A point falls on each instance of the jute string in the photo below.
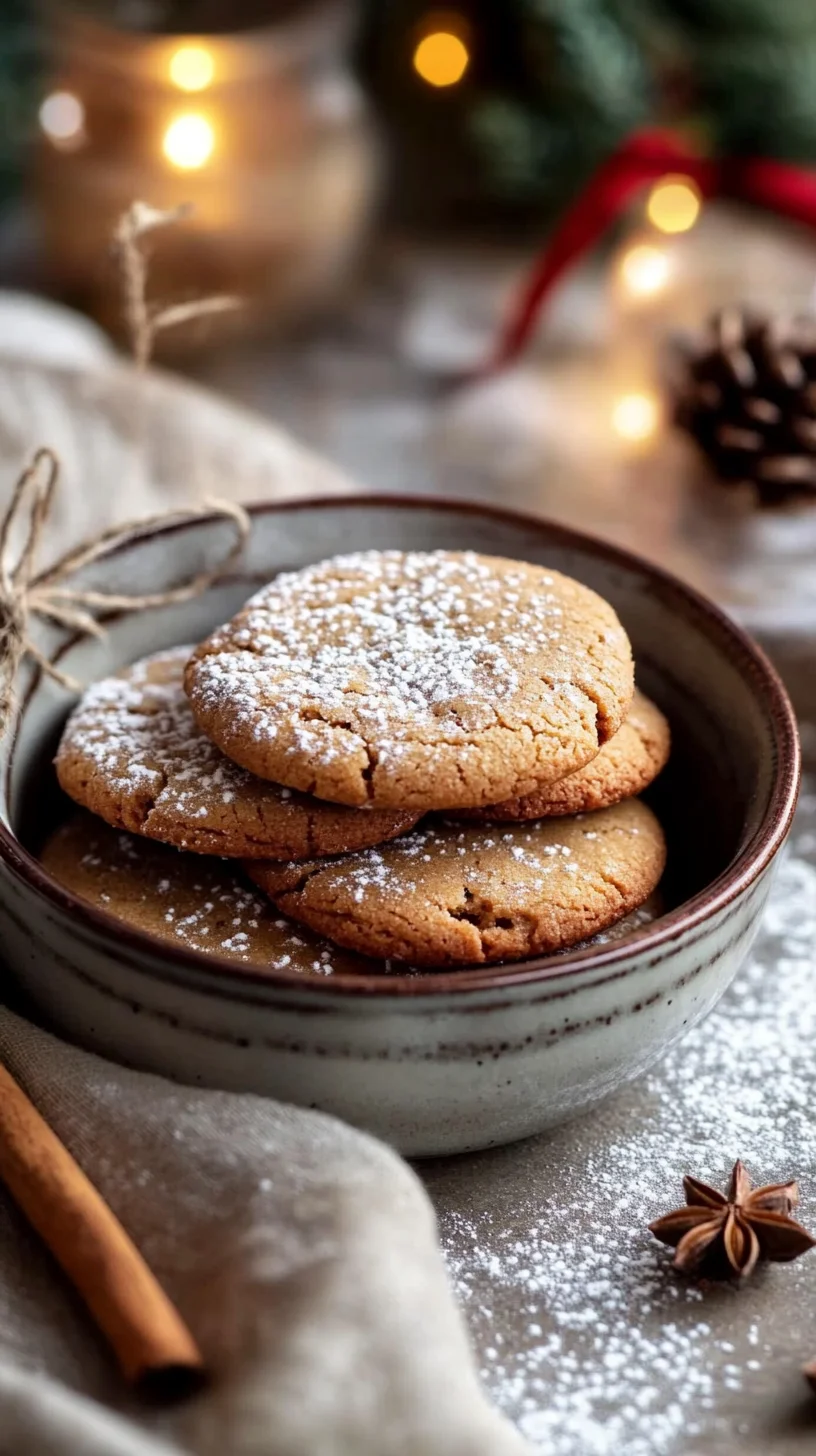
(26, 593)
(143, 320)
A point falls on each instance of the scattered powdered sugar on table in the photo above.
(586, 1337)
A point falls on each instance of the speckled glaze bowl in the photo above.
(452, 1060)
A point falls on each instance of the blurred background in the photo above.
(376, 179)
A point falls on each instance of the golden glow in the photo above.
(189, 141)
(635, 417)
(644, 270)
(441, 59)
(62, 118)
(674, 204)
(192, 68)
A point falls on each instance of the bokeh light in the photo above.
(62, 118)
(674, 204)
(644, 269)
(441, 58)
(189, 141)
(635, 417)
(191, 68)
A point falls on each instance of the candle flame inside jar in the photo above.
(191, 68)
(189, 141)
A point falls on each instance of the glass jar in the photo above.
(263, 131)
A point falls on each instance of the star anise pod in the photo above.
(722, 1235)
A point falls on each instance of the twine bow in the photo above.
(24, 594)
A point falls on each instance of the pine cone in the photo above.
(747, 394)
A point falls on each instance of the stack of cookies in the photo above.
(429, 759)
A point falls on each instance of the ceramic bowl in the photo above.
(447, 1061)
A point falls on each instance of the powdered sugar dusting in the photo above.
(133, 753)
(397, 869)
(408, 618)
(586, 1337)
(416, 643)
(199, 904)
(413, 862)
(139, 732)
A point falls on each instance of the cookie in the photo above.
(650, 910)
(625, 766)
(133, 754)
(415, 680)
(193, 902)
(449, 894)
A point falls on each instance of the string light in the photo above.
(441, 58)
(191, 68)
(644, 270)
(635, 417)
(189, 141)
(674, 204)
(62, 118)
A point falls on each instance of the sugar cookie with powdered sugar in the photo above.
(415, 680)
(463, 895)
(189, 901)
(132, 753)
(625, 766)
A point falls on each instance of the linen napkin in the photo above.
(130, 443)
(302, 1253)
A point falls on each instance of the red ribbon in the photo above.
(645, 157)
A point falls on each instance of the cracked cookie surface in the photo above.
(133, 753)
(451, 894)
(625, 766)
(649, 911)
(423, 680)
(190, 901)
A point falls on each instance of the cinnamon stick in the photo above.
(153, 1346)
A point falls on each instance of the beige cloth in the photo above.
(131, 445)
(302, 1253)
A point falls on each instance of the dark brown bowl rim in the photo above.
(644, 944)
